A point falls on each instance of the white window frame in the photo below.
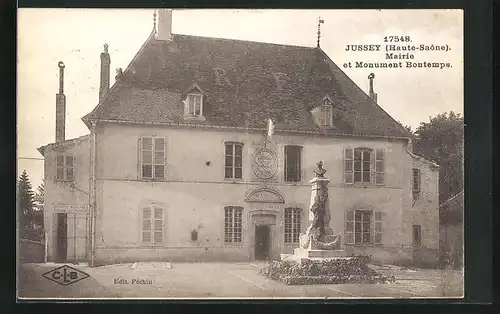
(65, 168)
(325, 115)
(375, 168)
(191, 107)
(375, 225)
(299, 164)
(233, 224)
(154, 160)
(292, 228)
(154, 228)
(233, 160)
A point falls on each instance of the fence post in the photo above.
(46, 248)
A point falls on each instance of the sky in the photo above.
(77, 36)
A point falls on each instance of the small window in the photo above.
(65, 165)
(195, 105)
(325, 114)
(152, 225)
(293, 163)
(232, 224)
(233, 165)
(292, 225)
(416, 181)
(152, 156)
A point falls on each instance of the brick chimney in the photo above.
(371, 93)
(105, 68)
(164, 31)
(60, 106)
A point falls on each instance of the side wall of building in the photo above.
(61, 198)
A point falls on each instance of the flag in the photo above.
(270, 128)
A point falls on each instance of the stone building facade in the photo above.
(179, 166)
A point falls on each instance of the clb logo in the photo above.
(65, 275)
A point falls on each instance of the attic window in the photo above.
(194, 105)
(325, 114)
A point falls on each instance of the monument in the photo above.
(319, 241)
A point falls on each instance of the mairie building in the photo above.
(203, 150)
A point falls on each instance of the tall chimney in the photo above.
(60, 106)
(164, 31)
(371, 93)
(105, 68)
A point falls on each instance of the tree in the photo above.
(442, 140)
(30, 221)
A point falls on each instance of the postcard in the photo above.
(240, 154)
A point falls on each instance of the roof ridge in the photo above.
(243, 41)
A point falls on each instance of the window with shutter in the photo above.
(364, 165)
(65, 168)
(363, 227)
(152, 225)
(152, 158)
(293, 163)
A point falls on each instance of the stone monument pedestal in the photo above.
(327, 245)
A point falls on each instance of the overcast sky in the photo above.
(76, 37)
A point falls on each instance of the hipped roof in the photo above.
(244, 84)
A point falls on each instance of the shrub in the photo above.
(352, 270)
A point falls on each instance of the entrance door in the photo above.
(417, 240)
(62, 237)
(262, 242)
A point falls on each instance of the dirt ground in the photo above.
(225, 280)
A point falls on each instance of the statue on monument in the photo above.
(318, 208)
(319, 232)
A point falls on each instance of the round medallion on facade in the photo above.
(265, 164)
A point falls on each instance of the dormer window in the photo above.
(323, 113)
(325, 117)
(194, 104)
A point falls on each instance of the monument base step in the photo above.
(311, 253)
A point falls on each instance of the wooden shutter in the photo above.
(59, 167)
(146, 225)
(349, 227)
(69, 165)
(349, 166)
(159, 158)
(158, 225)
(139, 157)
(377, 228)
(147, 158)
(286, 163)
(379, 167)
